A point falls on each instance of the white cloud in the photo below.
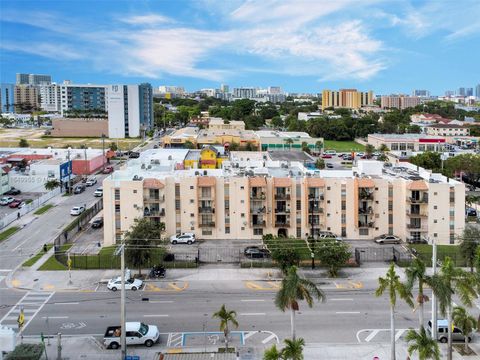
(149, 19)
(48, 50)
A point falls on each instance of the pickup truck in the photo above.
(137, 334)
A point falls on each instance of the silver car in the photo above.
(442, 332)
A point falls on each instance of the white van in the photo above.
(442, 332)
(330, 152)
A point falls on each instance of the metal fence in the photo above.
(35, 204)
(382, 254)
(220, 255)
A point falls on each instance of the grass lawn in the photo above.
(298, 244)
(343, 146)
(52, 263)
(425, 253)
(43, 209)
(37, 256)
(9, 232)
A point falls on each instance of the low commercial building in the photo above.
(253, 195)
(220, 124)
(410, 142)
(271, 140)
(447, 130)
(180, 137)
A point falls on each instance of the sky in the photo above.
(300, 45)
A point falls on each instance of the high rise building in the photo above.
(130, 110)
(477, 91)
(275, 90)
(27, 98)
(421, 93)
(50, 97)
(245, 92)
(33, 79)
(346, 98)
(461, 91)
(7, 98)
(449, 93)
(399, 101)
(469, 92)
(224, 88)
(83, 98)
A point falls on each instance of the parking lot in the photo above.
(27, 197)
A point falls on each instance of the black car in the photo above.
(256, 252)
(12, 191)
(134, 155)
(468, 212)
(79, 189)
(97, 223)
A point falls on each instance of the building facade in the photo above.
(33, 79)
(83, 98)
(50, 98)
(346, 98)
(27, 98)
(408, 142)
(7, 98)
(130, 110)
(447, 130)
(399, 102)
(284, 200)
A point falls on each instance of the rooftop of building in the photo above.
(281, 134)
(220, 121)
(290, 156)
(53, 152)
(405, 136)
(186, 132)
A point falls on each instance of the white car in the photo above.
(185, 238)
(360, 154)
(6, 200)
(91, 181)
(98, 192)
(388, 239)
(130, 284)
(77, 210)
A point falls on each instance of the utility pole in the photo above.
(69, 171)
(434, 298)
(59, 346)
(123, 340)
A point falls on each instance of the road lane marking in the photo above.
(399, 334)
(65, 303)
(252, 314)
(252, 300)
(5, 270)
(340, 299)
(271, 337)
(347, 312)
(54, 317)
(160, 301)
(155, 315)
(371, 335)
(248, 334)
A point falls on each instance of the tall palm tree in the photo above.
(392, 284)
(424, 345)
(293, 349)
(452, 280)
(272, 353)
(289, 142)
(226, 316)
(293, 289)
(465, 322)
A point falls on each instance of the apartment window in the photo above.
(390, 191)
(390, 230)
(452, 197)
(206, 192)
(328, 187)
(258, 231)
(118, 224)
(390, 205)
(191, 187)
(299, 232)
(242, 187)
(177, 190)
(299, 204)
(394, 146)
(435, 193)
(192, 201)
(435, 221)
(242, 201)
(242, 228)
(344, 192)
(118, 237)
(227, 230)
(435, 207)
(226, 190)
(390, 219)
(117, 208)
(134, 191)
(344, 205)
(363, 231)
(192, 215)
(298, 190)
(344, 218)
(117, 194)
(452, 238)
(177, 204)
(227, 204)
(242, 215)
(344, 232)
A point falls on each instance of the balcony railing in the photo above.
(315, 210)
(367, 211)
(207, 224)
(365, 195)
(148, 198)
(419, 200)
(316, 197)
(257, 210)
(366, 224)
(415, 227)
(155, 213)
(261, 223)
(257, 196)
(282, 196)
(416, 213)
(282, 223)
(282, 211)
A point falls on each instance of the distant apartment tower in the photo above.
(27, 98)
(244, 92)
(449, 93)
(346, 98)
(477, 91)
(83, 97)
(421, 93)
(130, 110)
(50, 97)
(33, 79)
(7, 98)
(168, 89)
(399, 101)
(224, 88)
(469, 92)
(275, 90)
(461, 91)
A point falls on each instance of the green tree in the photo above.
(419, 342)
(272, 353)
(23, 143)
(319, 146)
(469, 164)
(391, 284)
(369, 150)
(320, 164)
(142, 241)
(305, 147)
(289, 142)
(465, 322)
(383, 148)
(333, 254)
(52, 184)
(452, 280)
(470, 241)
(188, 145)
(293, 349)
(277, 122)
(294, 289)
(428, 160)
(226, 317)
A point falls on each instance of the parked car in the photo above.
(97, 223)
(329, 165)
(77, 210)
(13, 191)
(6, 200)
(442, 332)
(130, 284)
(137, 333)
(185, 238)
(15, 203)
(134, 155)
(108, 170)
(256, 252)
(98, 192)
(417, 241)
(91, 181)
(79, 189)
(388, 239)
(360, 154)
(328, 235)
(155, 146)
(330, 152)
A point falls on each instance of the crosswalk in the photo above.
(31, 303)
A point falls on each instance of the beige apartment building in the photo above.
(252, 197)
(346, 98)
(27, 98)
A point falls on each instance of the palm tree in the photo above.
(226, 316)
(426, 347)
(369, 149)
(452, 280)
(272, 353)
(392, 284)
(293, 289)
(289, 142)
(319, 145)
(383, 148)
(293, 349)
(52, 184)
(465, 322)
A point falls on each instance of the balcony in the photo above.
(282, 223)
(282, 196)
(206, 210)
(370, 224)
(418, 200)
(257, 210)
(154, 213)
(315, 210)
(416, 213)
(207, 224)
(148, 198)
(282, 211)
(417, 227)
(316, 197)
(257, 196)
(367, 211)
(258, 223)
(365, 195)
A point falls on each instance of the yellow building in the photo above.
(346, 98)
(209, 157)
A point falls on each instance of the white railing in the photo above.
(35, 204)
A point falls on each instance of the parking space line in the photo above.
(252, 314)
(371, 335)
(271, 337)
(347, 312)
(156, 315)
